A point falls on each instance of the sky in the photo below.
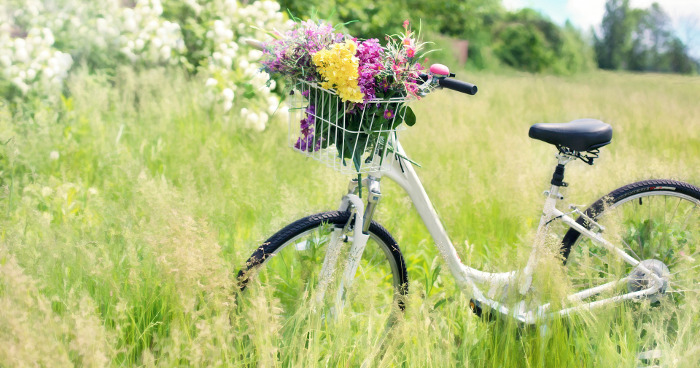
(685, 14)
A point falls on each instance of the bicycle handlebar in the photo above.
(453, 84)
(458, 85)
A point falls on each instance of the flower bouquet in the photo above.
(349, 95)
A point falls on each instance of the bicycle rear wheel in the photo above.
(657, 222)
(286, 269)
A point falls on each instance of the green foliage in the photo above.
(640, 40)
(616, 27)
(524, 40)
(528, 41)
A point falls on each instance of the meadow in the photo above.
(128, 206)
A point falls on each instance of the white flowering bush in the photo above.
(31, 63)
(146, 37)
(85, 29)
(40, 41)
(235, 78)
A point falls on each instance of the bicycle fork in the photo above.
(362, 221)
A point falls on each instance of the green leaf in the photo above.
(249, 91)
(409, 117)
(357, 160)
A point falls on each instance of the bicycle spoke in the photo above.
(685, 270)
(596, 269)
(686, 258)
(631, 250)
(685, 222)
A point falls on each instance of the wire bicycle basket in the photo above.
(350, 138)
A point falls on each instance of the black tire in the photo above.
(382, 259)
(652, 220)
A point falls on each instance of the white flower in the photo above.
(157, 42)
(254, 54)
(261, 122)
(252, 119)
(273, 104)
(53, 156)
(44, 55)
(263, 118)
(226, 61)
(22, 55)
(48, 36)
(19, 43)
(211, 82)
(228, 94)
(5, 60)
(130, 24)
(165, 52)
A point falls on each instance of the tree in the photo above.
(614, 42)
(529, 41)
(678, 58)
(640, 40)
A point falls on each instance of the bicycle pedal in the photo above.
(475, 307)
(485, 313)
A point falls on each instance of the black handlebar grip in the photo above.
(422, 78)
(458, 86)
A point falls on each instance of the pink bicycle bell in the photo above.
(440, 70)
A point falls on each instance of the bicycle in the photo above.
(637, 242)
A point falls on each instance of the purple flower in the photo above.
(290, 55)
(306, 126)
(370, 54)
(307, 144)
(388, 114)
(302, 143)
(384, 85)
(311, 109)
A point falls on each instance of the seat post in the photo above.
(558, 176)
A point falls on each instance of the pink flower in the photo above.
(405, 24)
(410, 51)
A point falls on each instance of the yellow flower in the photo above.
(338, 67)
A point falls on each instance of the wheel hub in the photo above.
(639, 280)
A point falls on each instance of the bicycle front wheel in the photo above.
(286, 269)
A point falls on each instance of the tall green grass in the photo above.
(127, 207)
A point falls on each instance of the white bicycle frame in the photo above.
(405, 176)
(403, 173)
